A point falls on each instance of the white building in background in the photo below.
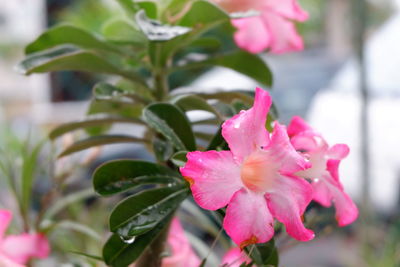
(20, 22)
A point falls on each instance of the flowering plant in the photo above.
(248, 171)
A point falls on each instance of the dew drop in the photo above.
(316, 180)
(128, 239)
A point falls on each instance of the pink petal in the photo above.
(287, 203)
(288, 8)
(346, 210)
(5, 219)
(7, 262)
(248, 219)
(281, 151)
(246, 131)
(297, 125)
(338, 151)
(21, 248)
(235, 257)
(283, 34)
(214, 177)
(182, 253)
(252, 34)
(239, 5)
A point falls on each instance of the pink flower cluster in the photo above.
(267, 176)
(273, 28)
(17, 250)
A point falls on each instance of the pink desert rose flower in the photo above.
(324, 173)
(235, 257)
(181, 253)
(273, 28)
(255, 178)
(17, 250)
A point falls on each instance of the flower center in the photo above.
(257, 173)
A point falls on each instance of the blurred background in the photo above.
(323, 83)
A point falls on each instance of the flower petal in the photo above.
(21, 248)
(281, 151)
(182, 253)
(287, 203)
(5, 219)
(214, 177)
(283, 34)
(297, 125)
(346, 210)
(289, 9)
(246, 131)
(7, 262)
(235, 257)
(252, 34)
(338, 151)
(248, 219)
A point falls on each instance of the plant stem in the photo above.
(152, 255)
(161, 85)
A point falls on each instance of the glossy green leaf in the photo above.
(123, 31)
(72, 126)
(179, 158)
(111, 107)
(238, 61)
(141, 212)
(264, 254)
(150, 8)
(99, 141)
(119, 253)
(228, 96)
(204, 13)
(120, 175)
(106, 91)
(218, 142)
(172, 123)
(67, 57)
(156, 31)
(67, 34)
(129, 6)
(162, 149)
(193, 102)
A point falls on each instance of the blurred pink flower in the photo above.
(17, 250)
(182, 254)
(273, 28)
(235, 257)
(324, 173)
(255, 178)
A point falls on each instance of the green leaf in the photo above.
(264, 254)
(67, 57)
(156, 31)
(129, 6)
(193, 102)
(99, 141)
(117, 253)
(141, 212)
(162, 149)
(238, 61)
(67, 34)
(29, 166)
(72, 126)
(150, 8)
(229, 96)
(218, 142)
(123, 31)
(120, 175)
(89, 256)
(179, 158)
(172, 123)
(204, 13)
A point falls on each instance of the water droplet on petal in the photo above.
(316, 180)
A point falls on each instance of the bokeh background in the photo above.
(323, 83)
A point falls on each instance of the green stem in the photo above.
(161, 85)
(152, 256)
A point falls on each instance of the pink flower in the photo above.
(182, 254)
(324, 172)
(17, 250)
(235, 257)
(255, 178)
(272, 29)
